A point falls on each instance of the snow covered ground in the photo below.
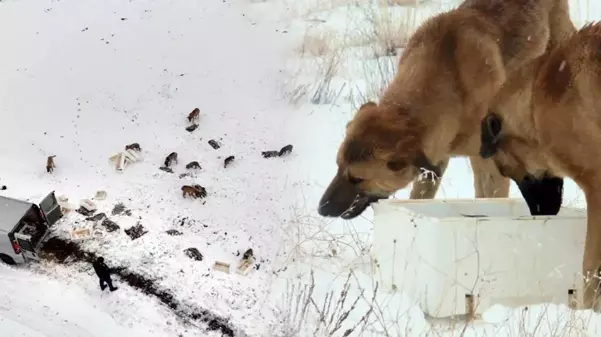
(81, 79)
(34, 305)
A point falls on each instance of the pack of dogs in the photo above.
(195, 191)
(510, 84)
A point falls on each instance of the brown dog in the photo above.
(455, 67)
(133, 146)
(194, 115)
(564, 133)
(194, 191)
(50, 164)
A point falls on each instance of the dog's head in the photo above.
(380, 154)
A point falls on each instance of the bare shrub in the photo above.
(328, 314)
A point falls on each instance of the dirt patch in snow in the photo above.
(121, 209)
(136, 232)
(67, 252)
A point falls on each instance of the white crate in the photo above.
(435, 252)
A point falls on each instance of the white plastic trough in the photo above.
(435, 252)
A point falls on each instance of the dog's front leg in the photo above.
(591, 264)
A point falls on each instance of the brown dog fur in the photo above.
(455, 67)
(564, 131)
(50, 164)
(191, 191)
(194, 115)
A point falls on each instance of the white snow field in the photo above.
(35, 306)
(81, 79)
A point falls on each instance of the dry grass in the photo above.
(353, 47)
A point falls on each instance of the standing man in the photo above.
(104, 274)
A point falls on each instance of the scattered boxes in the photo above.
(100, 195)
(122, 159)
(245, 266)
(88, 204)
(64, 204)
(222, 267)
(81, 234)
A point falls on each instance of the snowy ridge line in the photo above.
(66, 252)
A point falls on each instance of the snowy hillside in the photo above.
(36, 306)
(81, 79)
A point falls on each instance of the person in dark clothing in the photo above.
(104, 274)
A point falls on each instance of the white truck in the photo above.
(24, 226)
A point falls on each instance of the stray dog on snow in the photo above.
(133, 146)
(193, 165)
(195, 191)
(50, 164)
(193, 116)
(172, 157)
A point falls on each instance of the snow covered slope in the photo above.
(36, 306)
(81, 79)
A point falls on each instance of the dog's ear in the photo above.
(493, 125)
(490, 135)
(369, 104)
(476, 58)
(356, 151)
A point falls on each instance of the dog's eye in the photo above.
(396, 165)
(354, 180)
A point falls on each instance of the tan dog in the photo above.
(194, 191)
(50, 164)
(453, 69)
(564, 134)
(194, 115)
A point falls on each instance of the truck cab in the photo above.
(24, 226)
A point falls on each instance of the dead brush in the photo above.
(328, 68)
(329, 315)
(383, 29)
(318, 41)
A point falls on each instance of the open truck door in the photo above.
(27, 246)
(51, 209)
(30, 232)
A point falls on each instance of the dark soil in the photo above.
(120, 209)
(83, 211)
(166, 169)
(192, 127)
(96, 217)
(110, 225)
(193, 253)
(228, 161)
(136, 232)
(65, 252)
